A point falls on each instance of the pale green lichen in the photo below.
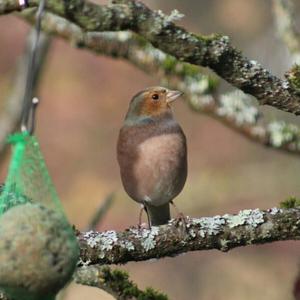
(123, 36)
(108, 239)
(209, 225)
(282, 133)
(235, 105)
(252, 217)
(199, 85)
(149, 243)
(148, 238)
(235, 221)
(175, 15)
(103, 241)
(200, 102)
(128, 245)
(91, 239)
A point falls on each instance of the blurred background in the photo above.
(84, 98)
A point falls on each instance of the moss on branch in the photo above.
(116, 282)
(291, 202)
(232, 109)
(293, 76)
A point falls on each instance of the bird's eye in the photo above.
(155, 96)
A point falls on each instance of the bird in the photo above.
(152, 153)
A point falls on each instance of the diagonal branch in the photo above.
(114, 282)
(249, 227)
(213, 51)
(101, 212)
(284, 18)
(233, 110)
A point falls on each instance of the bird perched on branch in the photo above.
(152, 153)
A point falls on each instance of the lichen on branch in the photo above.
(214, 51)
(234, 109)
(116, 282)
(219, 232)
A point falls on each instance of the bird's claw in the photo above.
(142, 226)
(181, 221)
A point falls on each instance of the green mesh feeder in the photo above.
(43, 249)
(28, 179)
(38, 248)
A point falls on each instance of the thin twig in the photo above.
(101, 212)
(10, 116)
(27, 122)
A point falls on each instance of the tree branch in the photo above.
(233, 109)
(101, 212)
(213, 51)
(219, 232)
(11, 114)
(284, 18)
(223, 233)
(114, 282)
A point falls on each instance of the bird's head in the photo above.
(153, 102)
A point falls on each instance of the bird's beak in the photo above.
(173, 95)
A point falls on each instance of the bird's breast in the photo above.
(159, 153)
(153, 164)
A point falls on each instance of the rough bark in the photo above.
(233, 109)
(214, 51)
(223, 233)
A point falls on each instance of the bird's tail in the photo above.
(158, 215)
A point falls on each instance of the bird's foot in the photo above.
(181, 220)
(140, 224)
(143, 226)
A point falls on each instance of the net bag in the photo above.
(38, 248)
(28, 179)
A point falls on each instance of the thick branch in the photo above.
(114, 282)
(223, 233)
(213, 51)
(234, 110)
